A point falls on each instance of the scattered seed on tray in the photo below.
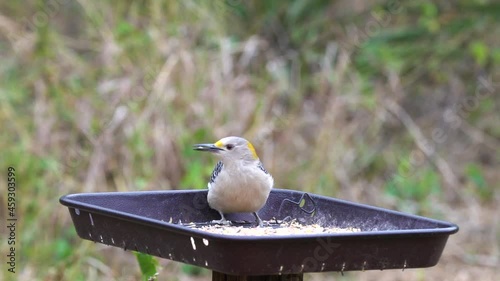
(274, 227)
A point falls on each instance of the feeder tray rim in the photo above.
(449, 228)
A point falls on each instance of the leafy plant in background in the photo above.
(198, 166)
(148, 265)
(413, 186)
(193, 270)
(479, 185)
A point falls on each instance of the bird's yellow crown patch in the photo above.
(252, 150)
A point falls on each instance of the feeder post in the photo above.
(218, 276)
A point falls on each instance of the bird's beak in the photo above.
(207, 147)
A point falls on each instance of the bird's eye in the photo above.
(229, 146)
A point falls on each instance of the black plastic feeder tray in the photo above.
(154, 222)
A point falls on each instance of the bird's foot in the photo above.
(260, 223)
(222, 221)
(263, 224)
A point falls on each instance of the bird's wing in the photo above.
(215, 172)
(261, 166)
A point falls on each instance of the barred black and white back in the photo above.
(215, 173)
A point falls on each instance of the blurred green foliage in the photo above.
(194, 270)
(480, 187)
(148, 265)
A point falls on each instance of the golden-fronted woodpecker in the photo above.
(239, 182)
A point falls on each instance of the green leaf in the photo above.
(148, 265)
(192, 270)
(302, 203)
